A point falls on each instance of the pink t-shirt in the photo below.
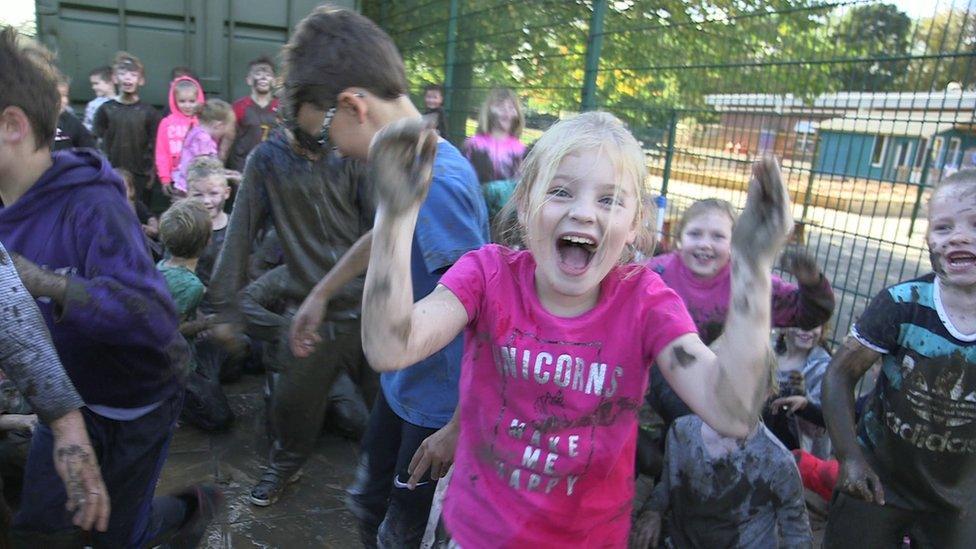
(548, 417)
(197, 143)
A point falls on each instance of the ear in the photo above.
(226, 192)
(355, 102)
(142, 80)
(14, 126)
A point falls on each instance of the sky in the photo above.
(16, 12)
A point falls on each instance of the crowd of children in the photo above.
(339, 233)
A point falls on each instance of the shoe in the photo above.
(204, 500)
(267, 491)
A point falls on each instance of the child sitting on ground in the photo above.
(718, 491)
(185, 231)
(558, 337)
(211, 137)
(185, 96)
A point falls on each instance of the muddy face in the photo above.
(951, 236)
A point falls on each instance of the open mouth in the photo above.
(961, 259)
(703, 256)
(575, 252)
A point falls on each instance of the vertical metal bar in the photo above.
(594, 43)
(123, 39)
(810, 178)
(231, 29)
(288, 18)
(921, 189)
(449, 56)
(186, 33)
(669, 153)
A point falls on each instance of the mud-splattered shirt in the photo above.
(546, 451)
(27, 355)
(919, 427)
(319, 209)
(724, 493)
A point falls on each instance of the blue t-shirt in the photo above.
(453, 220)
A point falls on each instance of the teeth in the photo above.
(579, 240)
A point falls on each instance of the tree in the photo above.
(949, 36)
(868, 37)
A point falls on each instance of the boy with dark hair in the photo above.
(319, 207)
(354, 85)
(908, 467)
(103, 87)
(257, 113)
(434, 113)
(127, 126)
(113, 324)
(70, 131)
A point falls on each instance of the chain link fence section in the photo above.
(866, 104)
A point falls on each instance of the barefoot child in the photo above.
(558, 338)
(910, 465)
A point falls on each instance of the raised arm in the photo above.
(850, 363)
(727, 385)
(396, 331)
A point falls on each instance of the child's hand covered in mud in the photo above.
(766, 222)
(401, 164)
(800, 264)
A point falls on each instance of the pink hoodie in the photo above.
(172, 130)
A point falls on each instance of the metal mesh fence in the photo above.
(868, 105)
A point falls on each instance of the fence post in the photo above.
(921, 189)
(669, 152)
(449, 55)
(594, 43)
(809, 190)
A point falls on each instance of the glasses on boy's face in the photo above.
(326, 124)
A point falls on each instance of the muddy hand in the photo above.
(799, 263)
(766, 222)
(401, 163)
(858, 479)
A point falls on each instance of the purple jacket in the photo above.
(117, 333)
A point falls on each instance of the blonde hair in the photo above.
(486, 120)
(701, 207)
(202, 168)
(185, 228)
(598, 131)
(215, 110)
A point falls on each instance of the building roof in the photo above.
(946, 100)
(917, 123)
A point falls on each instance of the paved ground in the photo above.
(311, 513)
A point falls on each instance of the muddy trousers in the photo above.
(856, 524)
(131, 455)
(301, 392)
(389, 513)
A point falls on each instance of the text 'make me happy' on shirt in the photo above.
(546, 451)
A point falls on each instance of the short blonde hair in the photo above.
(185, 228)
(486, 120)
(202, 168)
(599, 131)
(215, 110)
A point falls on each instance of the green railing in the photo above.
(867, 105)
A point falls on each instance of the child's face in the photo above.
(578, 232)
(804, 339)
(212, 192)
(186, 101)
(128, 80)
(102, 88)
(504, 115)
(705, 243)
(952, 235)
(260, 78)
(433, 99)
(64, 90)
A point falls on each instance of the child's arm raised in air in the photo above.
(396, 331)
(727, 384)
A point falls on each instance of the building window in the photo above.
(903, 154)
(936, 151)
(920, 155)
(952, 154)
(880, 147)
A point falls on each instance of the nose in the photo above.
(582, 212)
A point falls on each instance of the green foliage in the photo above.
(870, 36)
